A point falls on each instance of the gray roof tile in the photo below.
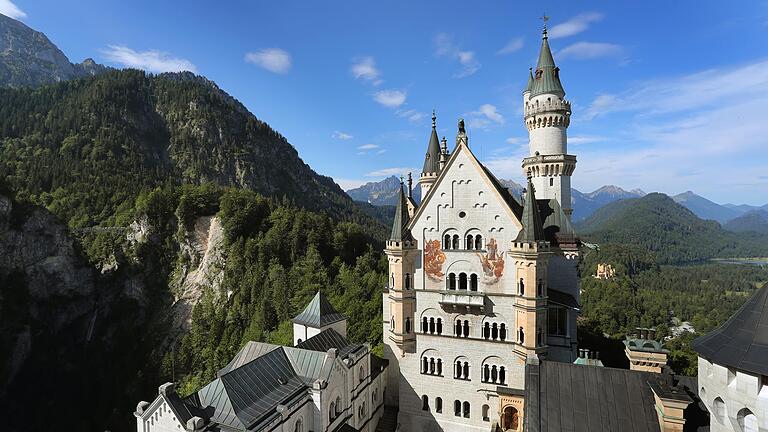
(318, 313)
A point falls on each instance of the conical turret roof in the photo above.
(529, 86)
(319, 312)
(547, 77)
(432, 158)
(399, 230)
(532, 230)
(742, 342)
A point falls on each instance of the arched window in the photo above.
(338, 406)
(470, 241)
(457, 408)
(486, 373)
(466, 409)
(458, 369)
(452, 281)
(486, 409)
(407, 281)
(392, 323)
(361, 374)
(539, 338)
(457, 328)
(522, 287)
(424, 365)
(487, 330)
(495, 331)
(432, 365)
(439, 405)
(478, 242)
(331, 412)
(440, 367)
(503, 332)
(432, 325)
(462, 281)
(494, 373)
(455, 244)
(425, 403)
(466, 328)
(408, 325)
(541, 288)
(473, 282)
(747, 421)
(447, 241)
(466, 371)
(719, 410)
(521, 335)
(502, 375)
(439, 326)
(510, 419)
(298, 427)
(424, 325)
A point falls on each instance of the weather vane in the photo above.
(545, 18)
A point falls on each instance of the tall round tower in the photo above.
(547, 116)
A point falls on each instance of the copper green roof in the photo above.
(547, 77)
(432, 158)
(532, 230)
(399, 230)
(318, 313)
(529, 86)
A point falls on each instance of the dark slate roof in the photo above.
(529, 86)
(242, 397)
(318, 313)
(742, 342)
(400, 222)
(561, 298)
(532, 229)
(327, 339)
(432, 158)
(547, 78)
(557, 227)
(565, 396)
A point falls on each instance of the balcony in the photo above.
(463, 299)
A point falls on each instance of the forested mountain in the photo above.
(656, 223)
(753, 220)
(706, 209)
(28, 58)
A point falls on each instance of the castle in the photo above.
(479, 282)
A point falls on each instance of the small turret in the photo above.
(443, 152)
(547, 77)
(431, 160)
(533, 230)
(400, 231)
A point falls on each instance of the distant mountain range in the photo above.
(384, 193)
(29, 59)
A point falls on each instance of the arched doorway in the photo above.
(510, 420)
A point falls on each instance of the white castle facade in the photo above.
(479, 282)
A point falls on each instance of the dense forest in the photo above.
(646, 294)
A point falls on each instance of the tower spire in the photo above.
(399, 232)
(532, 231)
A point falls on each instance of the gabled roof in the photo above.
(318, 313)
(742, 342)
(547, 78)
(531, 219)
(327, 339)
(561, 298)
(432, 158)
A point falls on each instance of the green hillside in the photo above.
(657, 223)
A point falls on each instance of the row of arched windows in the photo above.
(460, 409)
(471, 242)
(432, 326)
(745, 417)
(539, 287)
(334, 410)
(495, 331)
(393, 327)
(431, 366)
(461, 371)
(494, 374)
(406, 281)
(451, 281)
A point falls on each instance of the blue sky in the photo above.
(667, 96)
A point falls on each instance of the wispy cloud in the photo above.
(486, 115)
(151, 60)
(9, 9)
(513, 45)
(586, 139)
(364, 68)
(516, 140)
(342, 136)
(387, 172)
(411, 114)
(444, 47)
(274, 60)
(368, 147)
(392, 98)
(575, 25)
(590, 50)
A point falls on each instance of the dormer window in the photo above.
(539, 72)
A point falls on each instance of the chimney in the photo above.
(671, 402)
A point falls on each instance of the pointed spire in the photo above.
(432, 158)
(533, 230)
(399, 231)
(529, 86)
(547, 76)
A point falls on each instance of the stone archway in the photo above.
(510, 419)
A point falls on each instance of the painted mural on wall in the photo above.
(434, 258)
(492, 262)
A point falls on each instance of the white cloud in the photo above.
(365, 69)
(512, 46)
(342, 136)
(368, 147)
(9, 9)
(390, 98)
(151, 60)
(586, 139)
(347, 184)
(444, 47)
(484, 117)
(516, 140)
(411, 114)
(575, 25)
(590, 50)
(272, 59)
(387, 172)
